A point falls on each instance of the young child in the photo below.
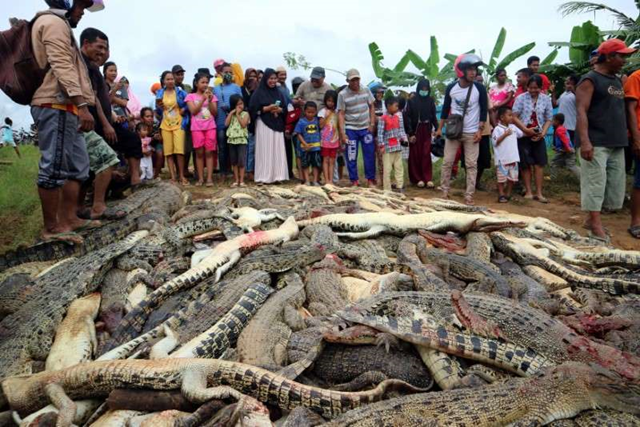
(391, 135)
(237, 123)
(203, 106)
(7, 135)
(146, 163)
(293, 115)
(308, 132)
(505, 148)
(330, 137)
(563, 146)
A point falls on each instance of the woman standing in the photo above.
(532, 113)
(248, 88)
(170, 100)
(500, 94)
(423, 121)
(267, 111)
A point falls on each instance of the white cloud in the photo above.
(150, 36)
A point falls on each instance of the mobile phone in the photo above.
(278, 103)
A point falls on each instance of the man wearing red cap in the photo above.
(602, 133)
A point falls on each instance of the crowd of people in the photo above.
(251, 126)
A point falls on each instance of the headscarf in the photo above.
(134, 106)
(264, 96)
(59, 4)
(238, 75)
(422, 108)
(254, 84)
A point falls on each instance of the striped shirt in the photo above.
(356, 108)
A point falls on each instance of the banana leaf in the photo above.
(434, 58)
(497, 50)
(569, 44)
(515, 55)
(376, 60)
(550, 58)
(402, 64)
(417, 61)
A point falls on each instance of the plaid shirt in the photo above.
(523, 108)
(391, 132)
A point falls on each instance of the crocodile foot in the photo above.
(364, 380)
(387, 341)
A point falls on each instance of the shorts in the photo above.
(340, 159)
(237, 154)
(63, 149)
(508, 172)
(312, 159)
(636, 177)
(329, 152)
(532, 153)
(173, 142)
(128, 144)
(101, 155)
(205, 138)
(603, 180)
(10, 143)
(299, 151)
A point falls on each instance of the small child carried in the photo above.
(565, 153)
(505, 148)
(308, 133)
(146, 163)
(391, 136)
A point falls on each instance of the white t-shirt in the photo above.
(507, 151)
(567, 106)
(458, 98)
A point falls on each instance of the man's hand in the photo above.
(478, 136)
(439, 133)
(529, 132)
(86, 119)
(344, 138)
(110, 134)
(371, 128)
(537, 137)
(586, 150)
(635, 149)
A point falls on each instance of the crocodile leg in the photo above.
(233, 259)
(372, 233)
(446, 370)
(166, 345)
(362, 381)
(194, 387)
(66, 407)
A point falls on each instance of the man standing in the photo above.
(632, 96)
(468, 98)
(224, 92)
(102, 159)
(567, 105)
(357, 119)
(313, 90)
(60, 108)
(602, 132)
(533, 62)
(281, 72)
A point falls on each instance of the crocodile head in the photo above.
(610, 390)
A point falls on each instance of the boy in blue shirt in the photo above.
(308, 132)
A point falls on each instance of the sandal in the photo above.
(531, 197)
(209, 184)
(542, 199)
(469, 201)
(503, 199)
(430, 184)
(185, 183)
(421, 184)
(70, 237)
(243, 185)
(88, 225)
(606, 240)
(234, 185)
(634, 231)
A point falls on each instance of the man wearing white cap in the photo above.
(357, 118)
(60, 109)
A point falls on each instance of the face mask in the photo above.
(423, 93)
(228, 77)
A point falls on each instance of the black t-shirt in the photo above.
(607, 115)
(102, 92)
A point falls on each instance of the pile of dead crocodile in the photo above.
(305, 306)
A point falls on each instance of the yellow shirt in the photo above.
(171, 119)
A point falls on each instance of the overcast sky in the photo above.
(148, 36)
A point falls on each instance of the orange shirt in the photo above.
(632, 91)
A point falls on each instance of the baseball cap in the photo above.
(177, 69)
(218, 63)
(353, 74)
(317, 73)
(614, 46)
(98, 5)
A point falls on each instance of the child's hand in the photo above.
(509, 132)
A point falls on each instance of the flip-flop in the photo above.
(84, 213)
(88, 225)
(70, 237)
(634, 231)
(112, 213)
(542, 200)
(606, 240)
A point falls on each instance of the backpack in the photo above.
(20, 74)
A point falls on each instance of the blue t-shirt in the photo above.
(7, 134)
(310, 131)
(224, 93)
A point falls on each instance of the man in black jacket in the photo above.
(475, 116)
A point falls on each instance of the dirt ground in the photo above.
(563, 210)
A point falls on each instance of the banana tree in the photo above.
(494, 63)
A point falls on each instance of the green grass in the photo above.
(20, 213)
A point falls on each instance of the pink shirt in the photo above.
(500, 94)
(204, 120)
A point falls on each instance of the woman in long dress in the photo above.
(267, 110)
(422, 115)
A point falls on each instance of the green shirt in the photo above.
(236, 134)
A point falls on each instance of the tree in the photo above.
(493, 65)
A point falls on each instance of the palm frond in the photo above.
(574, 7)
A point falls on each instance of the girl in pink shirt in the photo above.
(203, 106)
